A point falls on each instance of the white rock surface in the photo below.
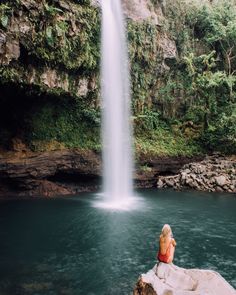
(220, 180)
(140, 10)
(168, 279)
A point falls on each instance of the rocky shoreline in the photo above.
(212, 174)
(65, 172)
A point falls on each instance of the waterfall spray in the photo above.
(116, 127)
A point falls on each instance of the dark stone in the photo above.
(143, 288)
(31, 174)
(24, 173)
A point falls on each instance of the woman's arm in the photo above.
(173, 242)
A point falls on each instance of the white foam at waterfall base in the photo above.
(116, 126)
(127, 203)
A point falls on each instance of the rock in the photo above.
(232, 187)
(193, 184)
(24, 173)
(9, 48)
(234, 183)
(219, 189)
(170, 182)
(225, 187)
(183, 176)
(169, 48)
(12, 49)
(83, 87)
(30, 4)
(2, 42)
(140, 10)
(220, 180)
(168, 279)
(49, 189)
(50, 173)
(18, 146)
(95, 3)
(209, 174)
(65, 5)
(160, 183)
(159, 166)
(60, 80)
(24, 28)
(143, 288)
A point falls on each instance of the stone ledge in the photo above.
(169, 279)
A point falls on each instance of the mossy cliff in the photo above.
(50, 56)
(182, 77)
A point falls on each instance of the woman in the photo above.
(167, 245)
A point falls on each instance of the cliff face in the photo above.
(50, 53)
(50, 94)
(57, 46)
(49, 61)
(43, 46)
(49, 89)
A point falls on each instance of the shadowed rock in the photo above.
(63, 172)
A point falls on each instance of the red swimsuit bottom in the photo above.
(164, 258)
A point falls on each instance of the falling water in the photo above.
(117, 154)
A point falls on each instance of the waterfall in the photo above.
(116, 126)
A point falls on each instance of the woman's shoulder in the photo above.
(164, 239)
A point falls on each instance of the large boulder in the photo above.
(169, 279)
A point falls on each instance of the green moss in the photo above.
(64, 122)
(164, 142)
(10, 74)
(5, 13)
(55, 43)
(145, 60)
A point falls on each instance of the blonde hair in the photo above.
(166, 231)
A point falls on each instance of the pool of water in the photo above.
(68, 246)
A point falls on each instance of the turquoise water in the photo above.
(67, 246)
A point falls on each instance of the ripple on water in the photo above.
(70, 246)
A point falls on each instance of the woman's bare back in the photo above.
(166, 245)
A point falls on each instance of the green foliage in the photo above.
(215, 24)
(176, 24)
(221, 136)
(202, 88)
(9, 74)
(165, 142)
(148, 120)
(51, 11)
(58, 45)
(144, 63)
(5, 12)
(66, 123)
(213, 95)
